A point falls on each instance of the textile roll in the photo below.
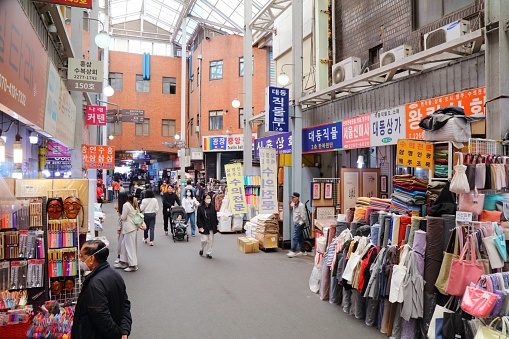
(407, 233)
(434, 252)
(340, 227)
(335, 290)
(408, 329)
(419, 248)
(375, 233)
(404, 221)
(325, 283)
(415, 225)
(449, 225)
(423, 226)
(353, 227)
(395, 229)
(373, 218)
(385, 319)
(381, 216)
(387, 227)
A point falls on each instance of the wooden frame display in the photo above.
(370, 182)
(350, 187)
(327, 192)
(316, 191)
(325, 212)
(383, 183)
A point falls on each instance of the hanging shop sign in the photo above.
(277, 109)
(96, 115)
(85, 75)
(281, 142)
(23, 65)
(66, 119)
(322, 138)
(268, 188)
(143, 156)
(196, 155)
(98, 157)
(412, 153)
(71, 3)
(472, 101)
(233, 142)
(356, 132)
(235, 182)
(125, 156)
(56, 150)
(52, 100)
(388, 126)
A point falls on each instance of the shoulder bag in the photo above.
(459, 182)
(471, 202)
(450, 253)
(463, 272)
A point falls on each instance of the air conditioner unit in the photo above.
(346, 69)
(446, 33)
(395, 54)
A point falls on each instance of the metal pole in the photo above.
(183, 104)
(248, 88)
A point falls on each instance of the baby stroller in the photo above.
(178, 216)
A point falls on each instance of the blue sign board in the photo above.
(281, 142)
(322, 138)
(276, 109)
(144, 157)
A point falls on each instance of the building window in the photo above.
(169, 85)
(242, 123)
(241, 66)
(114, 128)
(143, 129)
(215, 120)
(142, 85)
(216, 69)
(115, 80)
(169, 128)
(427, 11)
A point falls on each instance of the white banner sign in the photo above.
(388, 126)
(268, 192)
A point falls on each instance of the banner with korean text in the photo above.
(235, 182)
(322, 138)
(412, 153)
(356, 132)
(388, 126)
(277, 109)
(98, 157)
(268, 189)
(96, 115)
(281, 142)
(472, 101)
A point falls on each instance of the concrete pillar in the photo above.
(321, 37)
(77, 97)
(497, 75)
(248, 87)
(183, 104)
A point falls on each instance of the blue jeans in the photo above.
(150, 221)
(298, 238)
(191, 216)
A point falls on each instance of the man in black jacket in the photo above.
(169, 199)
(103, 310)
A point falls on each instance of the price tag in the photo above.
(463, 216)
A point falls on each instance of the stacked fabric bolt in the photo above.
(361, 206)
(380, 204)
(441, 157)
(409, 194)
(434, 189)
(266, 224)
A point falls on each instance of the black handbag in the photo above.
(453, 326)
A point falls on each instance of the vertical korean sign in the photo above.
(96, 115)
(388, 126)
(276, 108)
(356, 132)
(98, 157)
(268, 193)
(412, 153)
(235, 182)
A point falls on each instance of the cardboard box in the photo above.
(478, 128)
(248, 245)
(267, 240)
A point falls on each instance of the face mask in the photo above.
(83, 265)
(188, 194)
(208, 201)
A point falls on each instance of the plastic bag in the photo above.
(314, 279)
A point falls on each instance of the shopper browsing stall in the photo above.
(190, 203)
(299, 220)
(207, 225)
(149, 207)
(103, 309)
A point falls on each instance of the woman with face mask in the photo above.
(129, 229)
(190, 203)
(207, 225)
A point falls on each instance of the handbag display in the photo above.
(490, 332)
(450, 253)
(500, 242)
(480, 175)
(398, 275)
(478, 302)
(471, 202)
(470, 172)
(463, 272)
(453, 326)
(350, 266)
(493, 216)
(437, 318)
(503, 206)
(496, 260)
(459, 182)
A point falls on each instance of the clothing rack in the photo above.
(484, 146)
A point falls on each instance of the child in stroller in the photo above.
(178, 216)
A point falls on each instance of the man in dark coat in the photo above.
(169, 200)
(103, 310)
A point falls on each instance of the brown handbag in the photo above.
(450, 253)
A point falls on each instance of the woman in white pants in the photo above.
(121, 261)
(207, 225)
(130, 235)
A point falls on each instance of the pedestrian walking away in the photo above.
(190, 203)
(149, 207)
(170, 198)
(299, 221)
(207, 225)
(103, 309)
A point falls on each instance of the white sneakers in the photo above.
(292, 254)
(151, 243)
(131, 269)
(120, 265)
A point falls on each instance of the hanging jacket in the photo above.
(372, 289)
(367, 261)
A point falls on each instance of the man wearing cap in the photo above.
(299, 220)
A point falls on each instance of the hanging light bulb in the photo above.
(177, 137)
(17, 149)
(236, 103)
(108, 91)
(34, 137)
(283, 79)
(111, 137)
(103, 39)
